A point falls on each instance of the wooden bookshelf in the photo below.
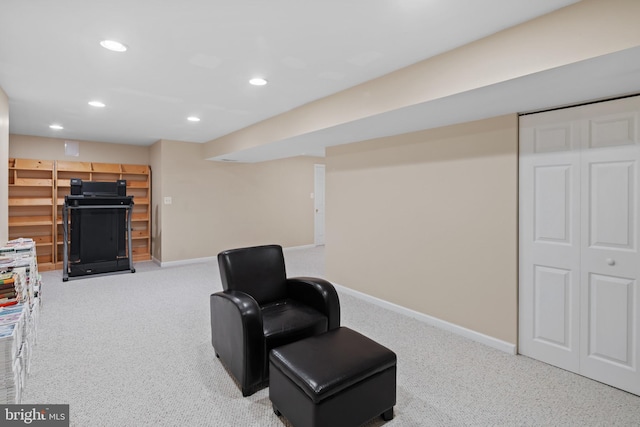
(139, 186)
(31, 206)
(36, 195)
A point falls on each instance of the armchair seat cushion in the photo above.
(289, 320)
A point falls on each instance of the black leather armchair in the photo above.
(260, 309)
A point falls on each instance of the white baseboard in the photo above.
(213, 258)
(433, 321)
(430, 320)
(295, 248)
(184, 261)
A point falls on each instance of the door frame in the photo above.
(319, 204)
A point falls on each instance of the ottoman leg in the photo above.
(387, 415)
(276, 411)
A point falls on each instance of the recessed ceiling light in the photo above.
(113, 45)
(56, 127)
(258, 81)
(193, 119)
(96, 104)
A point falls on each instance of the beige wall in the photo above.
(428, 221)
(35, 147)
(582, 31)
(4, 159)
(217, 206)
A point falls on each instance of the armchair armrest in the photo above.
(237, 336)
(317, 293)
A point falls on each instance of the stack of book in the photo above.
(8, 294)
(12, 352)
(17, 253)
(19, 308)
(19, 256)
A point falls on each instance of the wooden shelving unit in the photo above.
(31, 208)
(36, 196)
(139, 186)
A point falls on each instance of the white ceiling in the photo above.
(597, 79)
(195, 57)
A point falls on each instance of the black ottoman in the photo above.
(339, 378)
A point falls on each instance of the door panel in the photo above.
(612, 130)
(549, 242)
(552, 201)
(552, 138)
(611, 310)
(610, 260)
(552, 307)
(611, 204)
(609, 342)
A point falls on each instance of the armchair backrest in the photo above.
(258, 271)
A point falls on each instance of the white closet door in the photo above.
(610, 299)
(550, 240)
(579, 238)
